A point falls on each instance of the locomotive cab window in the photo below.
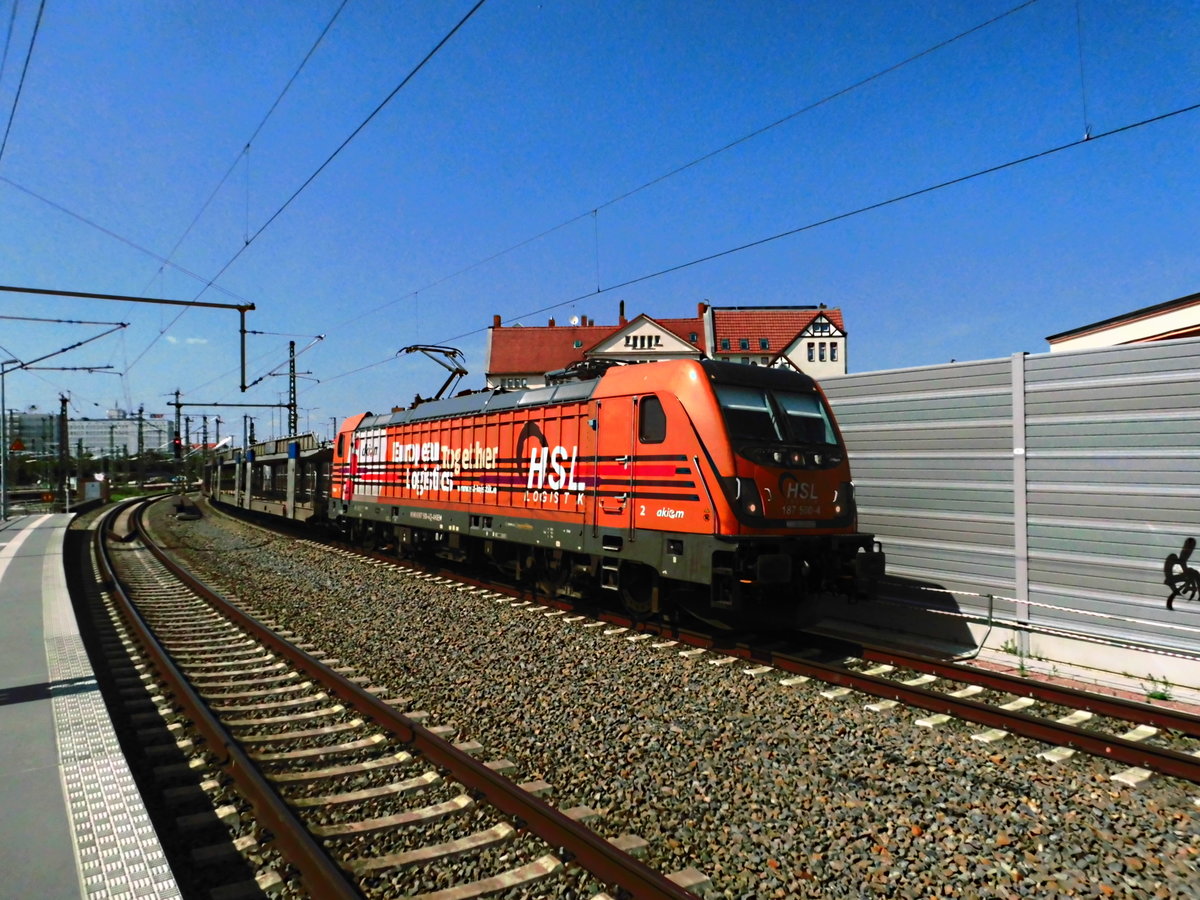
(652, 421)
(747, 412)
(756, 414)
(341, 450)
(805, 418)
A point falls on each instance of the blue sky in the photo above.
(533, 115)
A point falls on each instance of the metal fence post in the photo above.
(1020, 503)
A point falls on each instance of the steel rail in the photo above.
(1116, 707)
(1133, 753)
(320, 874)
(583, 846)
(1128, 752)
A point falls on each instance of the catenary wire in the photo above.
(12, 114)
(311, 178)
(12, 19)
(224, 178)
(658, 179)
(342, 146)
(1083, 98)
(112, 234)
(990, 170)
(627, 194)
(379, 108)
(217, 189)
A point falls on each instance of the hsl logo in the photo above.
(796, 490)
(547, 469)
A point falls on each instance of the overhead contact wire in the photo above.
(990, 170)
(707, 156)
(24, 70)
(112, 234)
(1087, 126)
(379, 108)
(244, 154)
(818, 103)
(12, 19)
(246, 149)
(311, 178)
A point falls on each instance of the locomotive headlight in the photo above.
(796, 458)
(843, 498)
(748, 497)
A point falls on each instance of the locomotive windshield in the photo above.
(759, 414)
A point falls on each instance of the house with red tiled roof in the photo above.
(811, 339)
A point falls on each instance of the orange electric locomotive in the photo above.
(710, 486)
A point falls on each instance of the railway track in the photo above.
(326, 786)
(766, 778)
(1147, 739)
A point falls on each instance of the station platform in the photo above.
(72, 823)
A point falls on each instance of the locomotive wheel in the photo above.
(636, 603)
(548, 581)
(637, 593)
(693, 603)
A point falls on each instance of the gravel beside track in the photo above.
(769, 790)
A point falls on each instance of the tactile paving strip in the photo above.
(118, 850)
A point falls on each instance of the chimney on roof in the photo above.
(551, 323)
(621, 313)
(495, 321)
(701, 309)
(823, 306)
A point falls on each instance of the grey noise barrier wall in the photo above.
(1043, 492)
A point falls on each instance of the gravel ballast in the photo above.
(769, 790)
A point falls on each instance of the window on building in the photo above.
(763, 360)
(812, 351)
(764, 344)
(821, 326)
(693, 337)
(744, 344)
(724, 343)
(822, 351)
(745, 360)
(578, 344)
(833, 350)
(652, 421)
